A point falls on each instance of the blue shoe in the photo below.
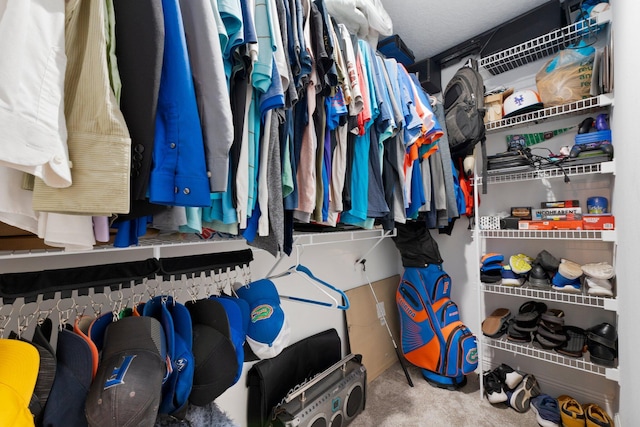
(563, 284)
(547, 410)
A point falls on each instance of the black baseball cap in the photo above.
(215, 356)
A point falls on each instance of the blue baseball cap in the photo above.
(176, 323)
(238, 314)
(268, 332)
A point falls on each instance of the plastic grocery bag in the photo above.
(567, 77)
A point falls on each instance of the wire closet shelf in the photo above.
(543, 46)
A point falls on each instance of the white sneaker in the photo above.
(599, 287)
(598, 270)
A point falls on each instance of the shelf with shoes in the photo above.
(529, 350)
(605, 303)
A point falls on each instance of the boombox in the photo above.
(330, 399)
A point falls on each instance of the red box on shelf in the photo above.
(563, 224)
(598, 222)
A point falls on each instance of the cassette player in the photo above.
(332, 398)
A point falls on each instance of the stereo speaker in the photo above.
(332, 398)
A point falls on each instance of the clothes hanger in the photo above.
(320, 284)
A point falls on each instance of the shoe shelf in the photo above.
(543, 46)
(597, 235)
(529, 350)
(551, 172)
(610, 304)
(573, 108)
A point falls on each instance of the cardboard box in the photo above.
(556, 213)
(550, 225)
(7, 230)
(560, 204)
(368, 334)
(522, 212)
(509, 223)
(493, 105)
(598, 222)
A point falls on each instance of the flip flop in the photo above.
(530, 311)
(517, 336)
(574, 345)
(545, 343)
(553, 316)
(495, 325)
(551, 335)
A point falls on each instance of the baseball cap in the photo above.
(74, 366)
(19, 363)
(47, 371)
(268, 332)
(214, 355)
(97, 329)
(176, 323)
(127, 388)
(238, 314)
(520, 102)
(81, 327)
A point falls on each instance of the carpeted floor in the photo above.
(391, 402)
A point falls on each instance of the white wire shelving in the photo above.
(545, 45)
(216, 243)
(596, 235)
(610, 304)
(573, 108)
(529, 350)
(550, 172)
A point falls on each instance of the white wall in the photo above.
(627, 201)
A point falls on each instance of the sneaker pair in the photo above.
(498, 382)
(564, 284)
(511, 278)
(598, 270)
(599, 287)
(573, 414)
(547, 410)
(520, 397)
(520, 263)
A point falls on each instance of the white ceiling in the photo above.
(429, 27)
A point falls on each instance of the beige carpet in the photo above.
(391, 402)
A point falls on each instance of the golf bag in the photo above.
(432, 335)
